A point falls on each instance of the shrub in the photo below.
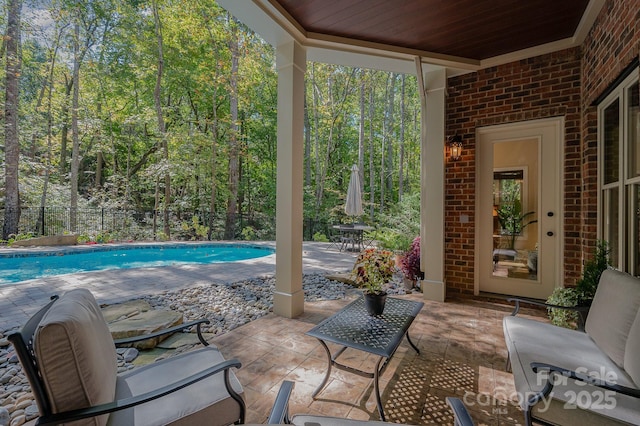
(563, 296)
(410, 262)
(320, 237)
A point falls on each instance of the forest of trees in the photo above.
(170, 105)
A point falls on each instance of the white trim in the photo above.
(623, 183)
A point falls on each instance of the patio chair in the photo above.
(69, 357)
(280, 413)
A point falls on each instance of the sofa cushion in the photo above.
(614, 308)
(204, 402)
(76, 355)
(632, 351)
(534, 341)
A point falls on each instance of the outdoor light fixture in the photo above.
(455, 145)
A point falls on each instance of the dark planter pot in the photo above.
(374, 303)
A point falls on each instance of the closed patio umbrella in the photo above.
(353, 204)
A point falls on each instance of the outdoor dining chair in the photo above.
(69, 357)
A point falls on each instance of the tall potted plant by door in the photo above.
(373, 269)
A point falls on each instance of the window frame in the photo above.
(625, 250)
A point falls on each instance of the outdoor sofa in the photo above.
(573, 377)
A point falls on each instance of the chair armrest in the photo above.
(603, 384)
(280, 410)
(197, 323)
(582, 311)
(460, 414)
(122, 404)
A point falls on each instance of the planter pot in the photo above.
(408, 284)
(374, 303)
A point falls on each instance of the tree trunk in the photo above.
(372, 177)
(361, 134)
(401, 154)
(390, 137)
(157, 96)
(307, 143)
(234, 174)
(64, 131)
(12, 140)
(75, 150)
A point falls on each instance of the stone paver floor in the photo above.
(462, 350)
(462, 353)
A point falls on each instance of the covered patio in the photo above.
(482, 68)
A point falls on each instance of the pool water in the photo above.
(26, 266)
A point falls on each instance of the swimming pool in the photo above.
(26, 265)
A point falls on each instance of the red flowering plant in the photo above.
(410, 261)
(374, 268)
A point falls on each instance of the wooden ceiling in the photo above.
(471, 29)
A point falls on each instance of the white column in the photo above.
(432, 185)
(288, 300)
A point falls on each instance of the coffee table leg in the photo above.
(326, 377)
(411, 343)
(376, 388)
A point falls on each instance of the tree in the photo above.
(12, 137)
(157, 96)
(234, 174)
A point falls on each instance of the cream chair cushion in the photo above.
(76, 355)
(614, 308)
(205, 402)
(632, 352)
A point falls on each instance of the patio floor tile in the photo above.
(462, 353)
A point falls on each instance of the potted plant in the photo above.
(373, 269)
(513, 221)
(410, 264)
(582, 294)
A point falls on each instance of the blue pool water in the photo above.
(26, 266)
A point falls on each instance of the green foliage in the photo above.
(583, 292)
(194, 231)
(393, 240)
(249, 233)
(19, 237)
(320, 237)
(400, 224)
(563, 296)
(373, 269)
(591, 272)
(119, 127)
(513, 221)
(161, 236)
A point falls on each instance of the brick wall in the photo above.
(564, 84)
(535, 88)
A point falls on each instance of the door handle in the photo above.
(550, 233)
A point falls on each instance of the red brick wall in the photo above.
(612, 44)
(564, 84)
(540, 87)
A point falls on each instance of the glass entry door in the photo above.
(518, 212)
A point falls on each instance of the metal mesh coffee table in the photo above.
(353, 327)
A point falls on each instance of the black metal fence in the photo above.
(147, 225)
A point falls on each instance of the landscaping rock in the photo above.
(145, 323)
(113, 313)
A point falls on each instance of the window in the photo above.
(619, 169)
